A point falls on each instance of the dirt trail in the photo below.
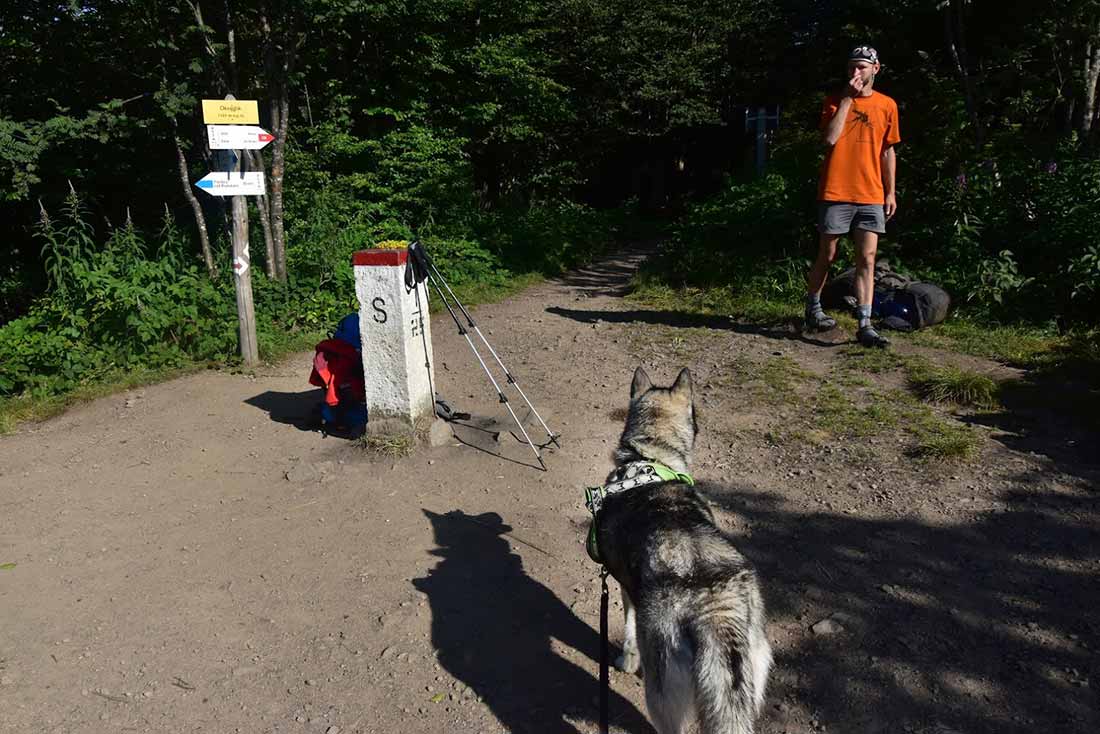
(187, 559)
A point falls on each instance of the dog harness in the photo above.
(628, 476)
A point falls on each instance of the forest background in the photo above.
(517, 139)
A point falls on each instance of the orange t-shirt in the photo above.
(852, 170)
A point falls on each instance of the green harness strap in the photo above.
(671, 476)
(590, 544)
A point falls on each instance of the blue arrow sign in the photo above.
(220, 183)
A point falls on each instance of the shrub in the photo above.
(955, 385)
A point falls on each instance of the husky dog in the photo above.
(694, 612)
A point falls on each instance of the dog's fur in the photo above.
(694, 612)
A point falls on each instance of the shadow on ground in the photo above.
(986, 626)
(298, 409)
(687, 320)
(501, 438)
(609, 277)
(493, 625)
(1053, 414)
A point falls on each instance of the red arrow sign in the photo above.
(234, 137)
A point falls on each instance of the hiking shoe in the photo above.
(817, 321)
(868, 337)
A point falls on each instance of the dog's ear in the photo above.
(683, 387)
(640, 384)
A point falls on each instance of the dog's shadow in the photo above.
(493, 626)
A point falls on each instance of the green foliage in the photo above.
(126, 301)
(1012, 233)
(999, 280)
(21, 145)
(1016, 345)
(1084, 273)
(651, 289)
(395, 446)
(939, 440)
(415, 173)
(551, 236)
(955, 385)
(844, 415)
(113, 308)
(748, 238)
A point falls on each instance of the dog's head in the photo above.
(660, 425)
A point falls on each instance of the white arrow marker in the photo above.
(237, 137)
(232, 184)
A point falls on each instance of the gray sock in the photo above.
(864, 312)
(813, 304)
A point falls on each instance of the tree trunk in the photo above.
(279, 54)
(256, 163)
(231, 47)
(956, 43)
(269, 240)
(1092, 79)
(196, 9)
(1065, 96)
(280, 112)
(196, 207)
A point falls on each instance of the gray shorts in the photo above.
(839, 217)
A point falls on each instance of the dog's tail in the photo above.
(730, 671)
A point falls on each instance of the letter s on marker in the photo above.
(380, 316)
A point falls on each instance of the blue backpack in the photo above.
(347, 419)
(348, 330)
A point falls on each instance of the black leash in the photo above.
(605, 680)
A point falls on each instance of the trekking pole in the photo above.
(477, 330)
(465, 333)
(424, 339)
(500, 393)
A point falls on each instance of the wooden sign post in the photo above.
(242, 280)
(218, 114)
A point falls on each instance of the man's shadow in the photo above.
(493, 625)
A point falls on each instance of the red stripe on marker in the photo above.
(380, 257)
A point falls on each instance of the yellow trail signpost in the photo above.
(230, 112)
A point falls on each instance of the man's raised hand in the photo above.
(855, 84)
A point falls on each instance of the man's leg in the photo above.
(815, 281)
(866, 248)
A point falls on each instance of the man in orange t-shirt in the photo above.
(856, 190)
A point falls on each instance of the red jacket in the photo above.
(336, 365)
